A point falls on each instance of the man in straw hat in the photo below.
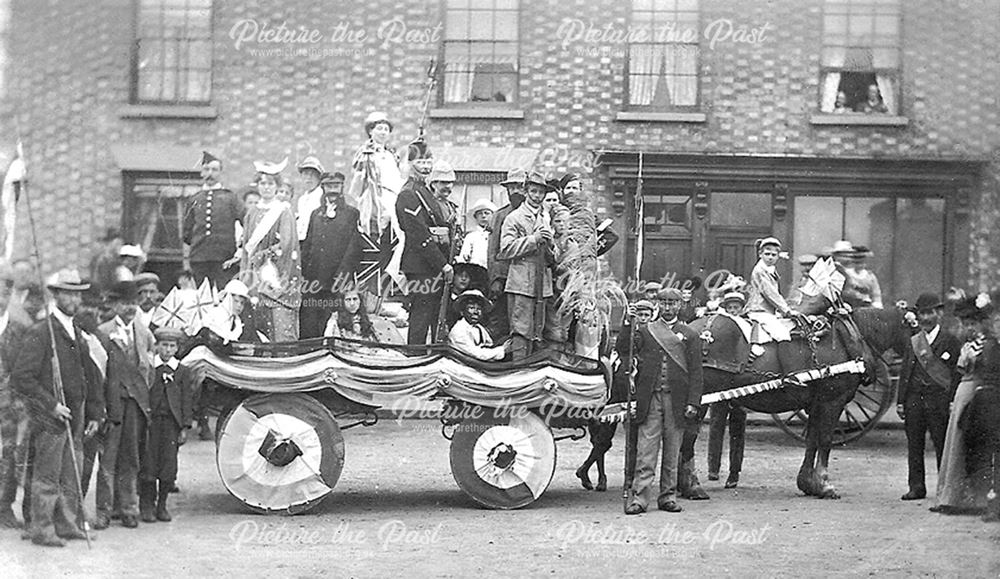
(476, 245)
(525, 239)
(927, 382)
(54, 489)
(468, 335)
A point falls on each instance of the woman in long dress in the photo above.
(269, 259)
(979, 359)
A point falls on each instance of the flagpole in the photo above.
(57, 383)
(630, 357)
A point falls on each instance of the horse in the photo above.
(730, 362)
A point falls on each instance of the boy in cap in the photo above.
(468, 335)
(732, 303)
(927, 382)
(210, 224)
(130, 353)
(54, 497)
(170, 401)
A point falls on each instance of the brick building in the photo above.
(736, 108)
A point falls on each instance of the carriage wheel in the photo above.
(860, 415)
(503, 462)
(280, 453)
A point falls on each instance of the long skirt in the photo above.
(276, 321)
(954, 487)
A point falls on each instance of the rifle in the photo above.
(630, 359)
(431, 83)
(57, 383)
(455, 245)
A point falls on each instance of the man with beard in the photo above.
(210, 224)
(427, 244)
(330, 255)
(130, 348)
(55, 500)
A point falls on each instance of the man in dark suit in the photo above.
(11, 335)
(331, 251)
(426, 258)
(130, 357)
(927, 383)
(668, 393)
(54, 497)
(210, 224)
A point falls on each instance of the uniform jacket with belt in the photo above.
(943, 352)
(210, 224)
(518, 246)
(682, 365)
(32, 377)
(130, 368)
(417, 211)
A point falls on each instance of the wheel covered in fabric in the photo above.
(280, 453)
(503, 460)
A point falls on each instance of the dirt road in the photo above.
(397, 511)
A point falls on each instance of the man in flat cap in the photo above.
(927, 382)
(147, 285)
(331, 252)
(54, 499)
(210, 224)
(668, 395)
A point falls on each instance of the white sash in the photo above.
(263, 227)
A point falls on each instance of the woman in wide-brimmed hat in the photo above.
(979, 363)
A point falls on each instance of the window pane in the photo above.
(919, 255)
(818, 223)
(174, 50)
(887, 26)
(691, 5)
(741, 209)
(869, 222)
(835, 26)
(885, 58)
(861, 26)
(456, 25)
(480, 25)
(506, 26)
(645, 5)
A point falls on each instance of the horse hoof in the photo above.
(584, 477)
(829, 492)
(804, 482)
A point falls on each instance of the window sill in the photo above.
(859, 119)
(168, 112)
(642, 116)
(477, 113)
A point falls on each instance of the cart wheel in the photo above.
(503, 462)
(280, 453)
(860, 415)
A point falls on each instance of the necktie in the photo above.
(479, 332)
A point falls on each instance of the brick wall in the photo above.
(68, 81)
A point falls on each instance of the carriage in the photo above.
(283, 407)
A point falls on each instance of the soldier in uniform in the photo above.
(210, 224)
(927, 383)
(54, 496)
(427, 249)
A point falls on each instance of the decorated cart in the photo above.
(283, 406)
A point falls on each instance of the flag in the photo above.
(13, 182)
(176, 310)
(639, 222)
